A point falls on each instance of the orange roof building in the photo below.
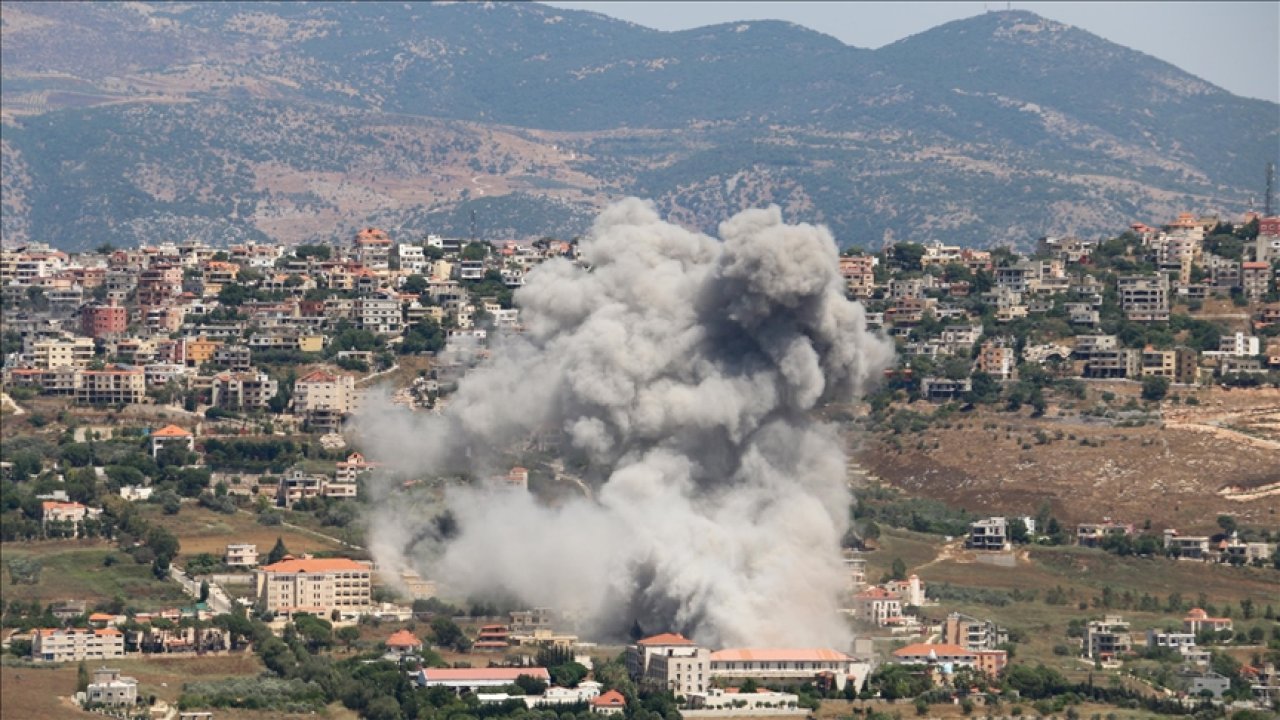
(320, 586)
(609, 702)
(664, 640)
(403, 641)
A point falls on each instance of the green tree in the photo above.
(204, 591)
(82, 678)
(899, 569)
(278, 551)
(348, 636)
(1155, 388)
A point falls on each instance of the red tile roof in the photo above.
(316, 565)
(403, 639)
(666, 639)
(171, 431)
(466, 674)
(611, 699)
(940, 649)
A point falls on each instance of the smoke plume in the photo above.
(676, 375)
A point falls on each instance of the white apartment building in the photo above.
(109, 687)
(377, 315)
(241, 555)
(786, 666)
(413, 259)
(669, 661)
(114, 385)
(75, 644)
(321, 390)
(314, 585)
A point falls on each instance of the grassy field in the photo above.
(75, 570)
(37, 691)
(200, 530)
(838, 709)
(1082, 573)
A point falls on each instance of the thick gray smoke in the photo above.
(681, 371)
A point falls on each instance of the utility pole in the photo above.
(473, 226)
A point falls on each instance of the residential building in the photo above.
(998, 359)
(351, 468)
(113, 385)
(403, 642)
(323, 390)
(1195, 547)
(971, 633)
(1119, 363)
(989, 534)
(940, 389)
(877, 606)
(241, 555)
(1092, 534)
(237, 358)
(111, 688)
(858, 272)
(951, 655)
(1159, 363)
(171, 436)
(70, 515)
(242, 390)
(1106, 638)
(296, 485)
(104, 321)
(1254, 277)
(76, 644)
(472, 679)
(1240, 345)
(62, 352)
(378, 315)
(609, 703)
(317, 586)
(1197, 621)
(1144, 298)
(669, 661)
(1208, 682)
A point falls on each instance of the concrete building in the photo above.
(62, 352)
(877, 606)
(237, 358)
(113, 385)
(774, 667)
(669, 662)
(973, 634)
(989, 534)
(242, 390)
(70, 514)
(1106, 638)
(76, 644)
(317, 586)
(1197, 620)
(171, 436)
(998, 359)
(111, 688)
(471, 679)
(1092, 534)
(1144, 298)
(733, 701)
(322, 390)
(1254, 278)
(241, 555)
(104, 321)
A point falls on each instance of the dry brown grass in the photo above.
(997, 462)
(200, 530)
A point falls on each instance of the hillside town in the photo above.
(173, 388)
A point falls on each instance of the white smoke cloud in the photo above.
(682, 371)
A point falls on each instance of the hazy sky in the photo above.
(1235, 45)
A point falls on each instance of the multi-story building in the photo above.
(972, 633)
(1197, 621)
(679, 655)
(989, 534)
(242, 390)
(858, 272)
(378, 315)
(241, 555)
(1194, 547)
(113, 385)
(372, 248)
(1159, 363)
(171, 436)
(70, 514)
(998, 359)
(323, 390)
(773, 667)
(237, 358)
(317, 586)
(111, 688)
(1106, 638)
(1144, 298)
(1118, 363)
(877, 606)
(1254, 277)
(76, 644)
(62, 352)
(104, 321)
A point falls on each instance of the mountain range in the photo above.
(295, 121)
